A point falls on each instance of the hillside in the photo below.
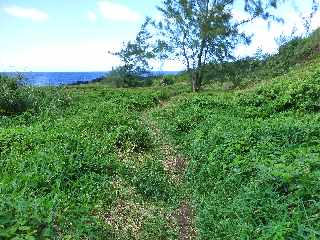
(293, 51)
(254, 157)
(93, 162)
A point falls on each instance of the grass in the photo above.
(254, 157)
(93, 162)
(85, 172)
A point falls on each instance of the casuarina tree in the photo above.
(197, 32)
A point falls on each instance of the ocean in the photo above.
(64, 78)
(58, 78)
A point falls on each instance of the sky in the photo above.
(76, 35)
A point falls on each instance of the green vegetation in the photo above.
(16, 98)
(254, 157)
(203, 35)
(123, 78)
(243, 72)
(135, 70)
(71, 173)
(95, 162)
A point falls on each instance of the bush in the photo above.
(167, 80)
(61, 176)
(17, 98)
(292, 51)
(253, 170)
(14, 97)
(121, 77)
(284, 95)
(152, 181)
(132, 138)
(233, 72)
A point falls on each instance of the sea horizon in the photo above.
(65, 77)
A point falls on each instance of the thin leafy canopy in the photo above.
(199, 32)
(136, 54)
(196, 32)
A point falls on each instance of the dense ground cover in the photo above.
(87, 170)
(254, 157)
(94, 162)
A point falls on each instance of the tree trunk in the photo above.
(196, 81)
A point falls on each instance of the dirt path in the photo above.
(175, 165)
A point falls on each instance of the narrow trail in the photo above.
(175, 165)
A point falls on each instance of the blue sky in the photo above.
(76, 35)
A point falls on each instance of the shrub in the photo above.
(121, 77)
(167, 80)
(292, 51)
(233, 72)
(151, 180)
(132, 138)
(14, 97)
(284, 94)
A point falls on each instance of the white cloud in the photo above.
(89, 55)
(315, 22)
(28, 13)
(92, 16)
(264, 37)
(240, 15)
(117, 12)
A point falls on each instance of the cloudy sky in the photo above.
(76, 35)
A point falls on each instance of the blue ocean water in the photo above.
(58, 78)
(66, 78)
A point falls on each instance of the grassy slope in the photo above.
(254, 157)
(93, 170)
(89, 171)
(249, 71)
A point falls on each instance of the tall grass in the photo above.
(254, 157)
(82, 170)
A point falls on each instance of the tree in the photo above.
(135, 56)
(199, 32)
(196, 31)
(204, 31)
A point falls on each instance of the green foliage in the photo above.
(243, 72)
(14, 98)
(196, 32)
(236, 72)
(297, 50)
(132, 137)
(80, 162)
(135, 56)
(60, 172)
(285, 94)
(254, 157)
(152, 181)
(123, 77)
(202, 33)
(167, 80)
(199, 32)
